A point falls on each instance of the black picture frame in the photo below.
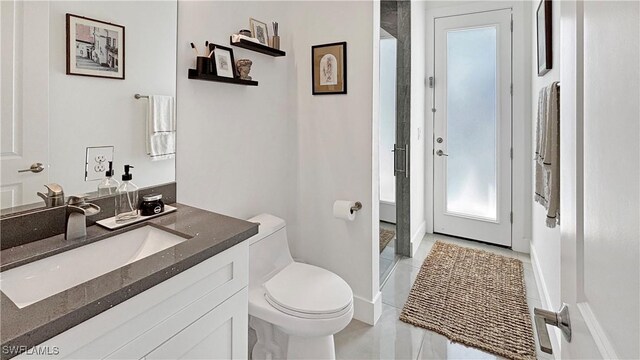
(544, 37)
(85, 48)
(339, 52)
(214, 60)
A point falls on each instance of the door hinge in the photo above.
(511, 89)
(431, 82)
(511, 153)
(511, 25)
(433, 109)
(511, 217)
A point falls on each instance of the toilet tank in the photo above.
(268, 250)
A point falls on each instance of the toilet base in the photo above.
(273, 343)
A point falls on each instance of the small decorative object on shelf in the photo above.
(275, 39)
(244, 67)
(223, 62)
(259, 31)
(245, 32)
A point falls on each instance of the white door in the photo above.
(472, 126)
(600, 178)
(24, 36)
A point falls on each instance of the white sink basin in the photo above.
(40, 279)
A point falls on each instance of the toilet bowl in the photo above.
(294, 308)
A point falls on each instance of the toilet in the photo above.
(295, 308)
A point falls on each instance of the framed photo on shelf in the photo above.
(224, 64)
(329, 68)
(544, 37)
(259, 31)
(94, 48)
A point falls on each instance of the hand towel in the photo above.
(547, 153)
(161, 127)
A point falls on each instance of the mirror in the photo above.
(72, 120)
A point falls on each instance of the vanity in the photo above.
(170, 287)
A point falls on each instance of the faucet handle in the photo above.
(79, 202)
(54, 189)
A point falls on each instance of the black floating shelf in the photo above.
(193, 74)
(250, 45)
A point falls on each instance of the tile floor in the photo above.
(394, 339)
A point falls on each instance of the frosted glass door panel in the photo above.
(471, 168)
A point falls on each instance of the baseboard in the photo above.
(545, 299)
(417, 237)
(367, 311)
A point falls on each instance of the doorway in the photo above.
(388, 53)
(472, 126)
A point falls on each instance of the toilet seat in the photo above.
(308, 292)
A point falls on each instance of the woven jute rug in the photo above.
(385, 237)
(475, 298)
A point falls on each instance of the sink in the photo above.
(40, 279)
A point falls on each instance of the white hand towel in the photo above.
(547, 184)
(161, 127)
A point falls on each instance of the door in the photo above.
(472, 126)
(25, 100)
(600, 179)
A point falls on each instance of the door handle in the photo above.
(441, 153)
(559, 319)
(35, 168)
(405, 169)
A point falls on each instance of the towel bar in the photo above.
(138, 96)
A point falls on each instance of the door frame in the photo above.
(521, 129)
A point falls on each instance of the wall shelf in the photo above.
(250, 45)
(193, 74)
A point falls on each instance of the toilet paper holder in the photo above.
(356, 207)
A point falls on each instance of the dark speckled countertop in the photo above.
(208, 234)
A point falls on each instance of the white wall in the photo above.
(336, 148)
(275, 147)
(236, 144)
(418, 156)
(87, 111)
(545, 242)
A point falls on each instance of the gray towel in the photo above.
(547, 153)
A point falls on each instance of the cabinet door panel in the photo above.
(219, 334)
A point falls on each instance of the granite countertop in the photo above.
(208, 234)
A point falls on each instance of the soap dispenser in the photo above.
(109, 185)
(126, 198)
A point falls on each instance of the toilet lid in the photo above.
(308, 291)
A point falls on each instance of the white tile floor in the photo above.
(394, 339)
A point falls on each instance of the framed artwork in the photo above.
(259, 31)
(543, 26)
(329, 68)
(94, 48)
(223, 61)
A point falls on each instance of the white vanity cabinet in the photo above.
(200, 313)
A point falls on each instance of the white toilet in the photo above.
(294, 308)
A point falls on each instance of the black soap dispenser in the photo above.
(127, 198)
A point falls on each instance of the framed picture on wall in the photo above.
(259, 31)
(329, 68)
(94, 48)
(223, 61)
(543, 26)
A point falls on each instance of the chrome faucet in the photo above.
(76, 218)
(54, 196)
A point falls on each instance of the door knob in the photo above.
(441, 153)
(35, 168)
(559, 319)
